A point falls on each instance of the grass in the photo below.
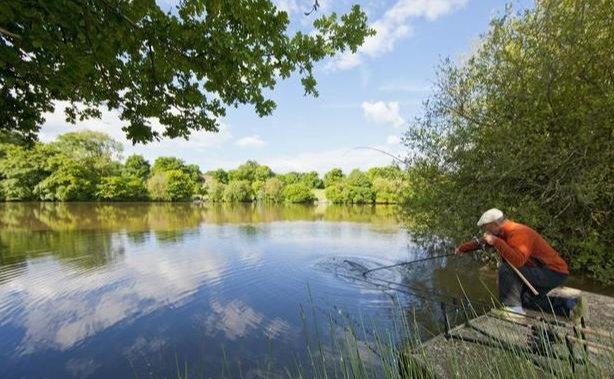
(345, 348)
(361, 349)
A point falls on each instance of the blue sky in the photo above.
(365, 99)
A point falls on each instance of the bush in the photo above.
(70, 182)
(271, 192)
(334, 193)
(137, 166)
(238, 191)
(358, 195)
(312, 180)
(298, 193)
(332, 177)
(215, 191)
(173, 185)
(121, 188)
(386, 190)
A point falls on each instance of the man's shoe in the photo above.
(512, 314)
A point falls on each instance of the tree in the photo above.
(238, 191)
(70, 181)
(525, 124)
(182, 68)
(334, 176)
(312, 180)
(356, 188)
(180, 186)
(94, 149)
(220, 175)
(387, 191)
(137, 166)
(291, 177)
(272, 191)
(121, 188)
(391, 172)
(263, 173)
(162, 164)
(215, 191)
(334, 193)
(171, 185)
(194, 172)
(89, 144)
(358, 195)
(246, 171)
(298, 193)
(257, 188)
(21, 169)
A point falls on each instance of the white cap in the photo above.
(489, 216)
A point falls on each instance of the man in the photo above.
(526, 250)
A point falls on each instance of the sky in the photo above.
(366, 99)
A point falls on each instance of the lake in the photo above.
(93, 290)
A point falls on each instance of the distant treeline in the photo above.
(86, 166)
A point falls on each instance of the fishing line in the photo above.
(388, 283)
(402, 161)
(406, 263)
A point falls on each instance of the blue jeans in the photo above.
(513, 292)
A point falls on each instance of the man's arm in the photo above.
(516, 252)
(468, 246)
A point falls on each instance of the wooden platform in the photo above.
(492, 346)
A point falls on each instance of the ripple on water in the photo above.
(348, 288)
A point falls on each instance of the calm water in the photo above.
(99, 291)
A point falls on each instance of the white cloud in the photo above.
(393, 140)
(250, 141)
(380, 112)
(345, 61)
(394, 25)
(111, 124)
(289, 6)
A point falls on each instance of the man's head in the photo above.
(492, 220)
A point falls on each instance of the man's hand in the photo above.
(457, 251)
(489, 238)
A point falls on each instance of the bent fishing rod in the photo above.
(407, 263)
(516, 271)
(416, 260)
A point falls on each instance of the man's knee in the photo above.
(505, 271)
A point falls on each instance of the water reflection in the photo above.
(59, 307)
(66, 230)
(101, 290)
(109, 290)
(173, 216)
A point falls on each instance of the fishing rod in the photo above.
(407, 263)
(386, 285)
(416, 260)
(400, 160)
(430, 295)
(412, 291)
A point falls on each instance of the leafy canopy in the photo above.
(183, 67)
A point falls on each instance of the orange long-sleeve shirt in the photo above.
(521, 245)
